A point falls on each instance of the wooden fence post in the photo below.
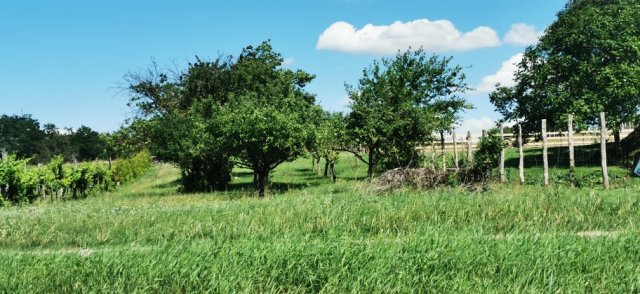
(572, 159)
(502, 175)
(455, 150)
(521, 165)
(433, 155)
(442, 153)
(603, 150)
(469, 153)
(545, 158)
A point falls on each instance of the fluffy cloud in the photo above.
(504, 76)
(522, 34)
(475, 126)
(288, 61)
(436, 36)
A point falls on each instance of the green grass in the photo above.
(310, 235)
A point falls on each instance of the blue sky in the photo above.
(64, 61)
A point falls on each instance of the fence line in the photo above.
(546, 140)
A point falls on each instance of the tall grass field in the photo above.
(310, 235)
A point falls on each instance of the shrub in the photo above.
(20, 183)
(12, 182)
(487, 157)
(128, 169)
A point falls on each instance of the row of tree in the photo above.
(251, 112)
(23, 136)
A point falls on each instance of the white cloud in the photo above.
(505, 75)
(522, 34)
(436, 36)
(288, 61)
(475, 125)
(345, 101)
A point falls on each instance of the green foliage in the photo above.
(400, 102)
(21, 183)
(88, 142)
(588, 61)
(270, 118)
(330, 140)
(487, 156)
(127, 169)
(15, 181)
(21, 135)
(24, 137)
(247, 111)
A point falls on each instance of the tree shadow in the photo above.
(172, 184)
(241, 174)
(278, 187)
(585, 156)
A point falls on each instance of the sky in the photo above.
(63, 62)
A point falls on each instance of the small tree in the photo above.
(270, 117)
(330, 140)
(487, 157)
(399, 103)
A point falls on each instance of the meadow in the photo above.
(310, 235)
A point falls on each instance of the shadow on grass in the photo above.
(272, 187)
(585, 156)
(152, 193)
(173, 184)
(242, 174)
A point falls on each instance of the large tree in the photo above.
(399, 103)
(247, 111)
(588, 61)
(172, 115)
(270, 116)
(88, 144)
(21, 135)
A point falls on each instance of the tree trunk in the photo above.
(455, 150)
(616, 138)
(572, 158)
(545, 159)
(372, 164)
(255, 180)
(603, 150)
(262, 181)
(326, 167)
(444, 158)
(333, 172)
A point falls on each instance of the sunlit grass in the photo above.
(310, 235)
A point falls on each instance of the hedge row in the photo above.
(22, 183)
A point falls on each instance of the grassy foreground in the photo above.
(314, 236)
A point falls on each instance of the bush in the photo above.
(128, 169)
(20, 183)
(487, 157)
(13, 179)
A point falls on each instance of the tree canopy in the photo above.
(23, 136)
(246, 111)
(588, 61)
(398, 104)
